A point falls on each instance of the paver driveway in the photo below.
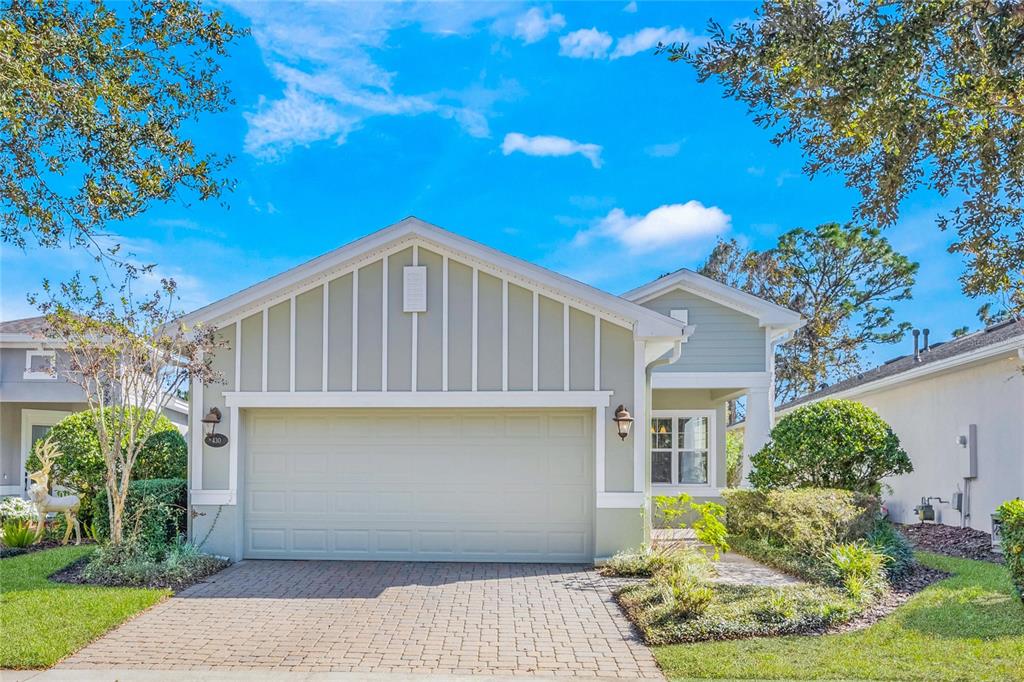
(449, 618)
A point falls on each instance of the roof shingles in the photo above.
(941, 351)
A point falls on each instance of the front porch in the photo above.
(687, 431)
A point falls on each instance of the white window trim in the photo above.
(30, 418)
(39, 376)
(709, 488)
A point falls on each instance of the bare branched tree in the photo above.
(130, 356)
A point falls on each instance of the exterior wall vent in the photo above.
(414, 289)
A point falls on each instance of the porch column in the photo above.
(756, 425)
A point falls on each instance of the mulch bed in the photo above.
(73, 574)
(964, 543)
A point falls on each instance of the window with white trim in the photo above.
(682, 447)
(39, 364)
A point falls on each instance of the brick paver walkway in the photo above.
(444, 618)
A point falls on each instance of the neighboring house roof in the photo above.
(1005, 338)
(649, 323)
(26, 325)
(781, 320)
(25, 330)
(29, 330)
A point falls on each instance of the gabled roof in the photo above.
(648, 323)
(768, 314)
(1005, 338)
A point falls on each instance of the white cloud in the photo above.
(665, 226)
(535, 25)
(631, 7)
(298, 119)
(648, 38)
(665, 150)
(550, 145)
(323, 55)
(586, 43)
(755, 170)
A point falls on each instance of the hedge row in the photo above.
(1011, 516)
(155, 512)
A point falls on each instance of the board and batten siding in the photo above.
(725, 340)
(480, 332)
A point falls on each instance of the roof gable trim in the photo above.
(411, 231)
(767, 314)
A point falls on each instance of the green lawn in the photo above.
(42, 622)
(967, 627)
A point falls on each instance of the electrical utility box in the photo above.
(969, 456)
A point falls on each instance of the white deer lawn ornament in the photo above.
(44, 502)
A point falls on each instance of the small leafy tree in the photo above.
(830, 444)
(130, 356)
(708, 519)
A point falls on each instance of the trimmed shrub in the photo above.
(1011, 518)
(806, 521)
(81, 466)
(830, 444)
(885, 539)
(154, 515)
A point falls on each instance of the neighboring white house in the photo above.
(958, 409)
(33, 397)
(416, 395)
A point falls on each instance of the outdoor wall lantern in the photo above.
(623, 420)
(212, 438)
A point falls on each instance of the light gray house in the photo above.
(415, 395)
(33, 397)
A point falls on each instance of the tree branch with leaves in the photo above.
(94, 103)
(896, 95)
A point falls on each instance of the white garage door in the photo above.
(427, 485)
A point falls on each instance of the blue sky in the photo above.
(548, 131)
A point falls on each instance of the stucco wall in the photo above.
(725, 340)
(929, 414)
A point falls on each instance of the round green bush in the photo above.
(830, 444)
(81, 466)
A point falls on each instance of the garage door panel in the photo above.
(568, 426)
(474, 485)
